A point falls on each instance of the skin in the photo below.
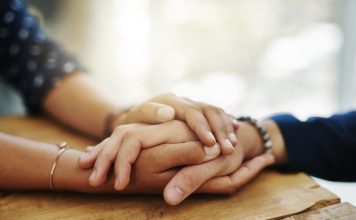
(154, 168)
(77, 99)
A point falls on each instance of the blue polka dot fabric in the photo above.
(29, 61)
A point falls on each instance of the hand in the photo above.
(125, 144)
(214, 177)
(223, 174)
(211, 124)
(156, 166)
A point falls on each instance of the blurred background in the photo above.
(250, 57)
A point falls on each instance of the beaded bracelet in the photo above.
(61, 148)
(267, 143)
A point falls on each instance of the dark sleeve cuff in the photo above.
(301, 141)
(322, 147)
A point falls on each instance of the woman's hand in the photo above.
(124, 145)
(157, 166)
(211, 124)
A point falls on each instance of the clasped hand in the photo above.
(194, 147)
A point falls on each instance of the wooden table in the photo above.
(271, 195)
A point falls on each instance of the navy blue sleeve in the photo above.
(28, 60)
(322, 147)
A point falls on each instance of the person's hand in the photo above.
(217, 176)
(211, 124)
(156, 166)
(224, 174)
(124, 145)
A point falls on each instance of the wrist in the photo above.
(70, 177)
(278, 145)
(249, 140)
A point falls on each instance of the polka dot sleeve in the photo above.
(28, 60)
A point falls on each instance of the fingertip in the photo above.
(226, 147)
(173, 195)
(212, 152)
(208, 139)
(235, 123)
(123, 177)
(93, 178)
(165, 113)
(232, 138)
(89, 149)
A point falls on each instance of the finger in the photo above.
(247, 171)
(229, 121)
(88, 149)
(192, 115)
(170, 132)
(230, 129)
(187, 180)
(219, 125)
(168, 156)
(88, 159)
(198, 123)
(234, 121)
(104, 160)
(126, 156)
(150, 113)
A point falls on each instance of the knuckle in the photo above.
(196, 126)
(215, 110)
(122, 129)
(195, 152)
(129, 135)
(166, 96)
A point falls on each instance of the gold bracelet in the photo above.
(61, 148)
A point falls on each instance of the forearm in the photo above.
(26, 165)
(80, 104)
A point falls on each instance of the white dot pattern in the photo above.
(23, 33)
(28, 60)
(9, 17)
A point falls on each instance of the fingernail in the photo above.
(212, 151)
(228, 144)
(232, 137)
(92, 176)
(84, 156)
(165, 113)
(211, 136)
(88, 149)
(174, 195)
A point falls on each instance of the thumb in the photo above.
(151, 113)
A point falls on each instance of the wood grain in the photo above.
(271, 195)
(342, 211)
